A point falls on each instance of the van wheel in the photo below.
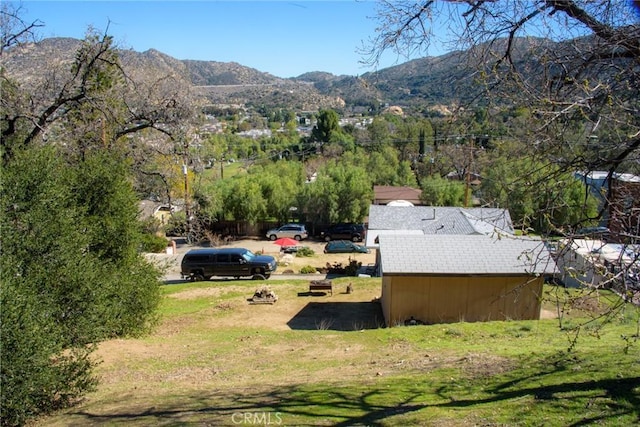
(273, 237)
(258, 277)
(198, 277)
(298, 238)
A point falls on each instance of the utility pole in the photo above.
(185, 172)
(467, 187)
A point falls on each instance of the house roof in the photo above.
(602, 175)
(373, 236)
(464, 255)
(147, 208)
(383, 194)
(437, 220)
(599, 250)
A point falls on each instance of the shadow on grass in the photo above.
(338, 316)
(287, 406)
(622, 395)
(301, 405)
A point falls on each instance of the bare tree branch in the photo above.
(13, 29)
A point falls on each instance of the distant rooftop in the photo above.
(439, 219)
(429, 220)
(602, 175)
(383, 194)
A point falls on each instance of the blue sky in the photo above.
(284, 38)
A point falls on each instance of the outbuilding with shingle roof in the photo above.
(451, 278)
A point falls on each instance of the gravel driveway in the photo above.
(170, 263)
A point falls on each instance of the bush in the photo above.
(307, 269)
(349, 270)
(176, 225)
(153, 243)
(305, 252)
(352, 268)
(39, 375)
(151, 226)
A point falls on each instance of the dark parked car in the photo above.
(353, 232)
(202, 264)
(344, 246)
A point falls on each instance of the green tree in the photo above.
(72, 274)
(341, 193)
(540, 197)
(31, 338)
(382, 166)
(379, 133)
(280, 183)
(438, 191)
(70, 239)
(406, 175)
(243, 200)
(326, 125)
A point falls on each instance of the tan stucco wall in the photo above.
(457, 299)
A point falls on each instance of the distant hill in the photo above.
(442, 80)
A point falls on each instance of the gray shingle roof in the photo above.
(440, 220)
(463, 255)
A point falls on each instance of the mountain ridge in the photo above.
(434, 80)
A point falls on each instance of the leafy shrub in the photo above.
(153, 243)
(176, 225)
(352, 268)
(349, 270)
(307, 269)
(305, 252)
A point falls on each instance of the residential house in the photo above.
(443, 278)
(622, 193)
(435, 220)
(384, 194)
(596, 263)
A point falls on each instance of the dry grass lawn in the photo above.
(315, 359)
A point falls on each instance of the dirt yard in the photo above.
(296, 307)
(291, 311)
(293, 263)
(287, 263)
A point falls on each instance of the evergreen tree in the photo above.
(72, 274)
(327, 124)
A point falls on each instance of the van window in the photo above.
(222, 258)
(198, 258)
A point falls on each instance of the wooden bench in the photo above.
(321, 285)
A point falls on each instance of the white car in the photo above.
(293, 231)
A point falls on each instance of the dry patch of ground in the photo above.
(170, 263)
(296, 308)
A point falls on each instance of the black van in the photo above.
(202, 264)
(348, 231)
